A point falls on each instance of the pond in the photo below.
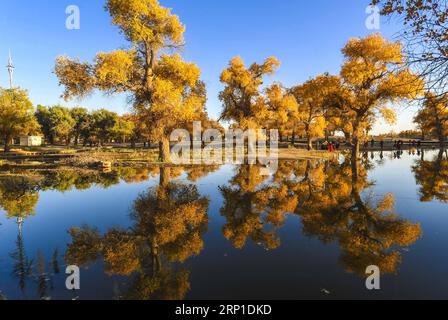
(308, 231)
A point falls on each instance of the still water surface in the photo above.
(308, 231)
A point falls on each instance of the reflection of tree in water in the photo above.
(43, 278)
(22, 267)
(367, 230)
(332, 203)
(196, 173)
(254, 210)
(432, 176)
(66, 179)
(169, 222)
(19, 196)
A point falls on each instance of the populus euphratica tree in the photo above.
(242, 99)
(161, 87)
(425, 33)
(373, 80)
(310, 98)
(433, 117)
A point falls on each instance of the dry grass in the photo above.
(297, 154)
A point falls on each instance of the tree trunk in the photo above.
(442, 138)
(165, 176)
(164, 150)
(309, 143)
(293, 139)
(355, 163)
(355, 149)
(7, 143)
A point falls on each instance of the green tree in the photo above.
(103, 123)
(80, 116)
(62, 123)
(42, 116)
(56, 122)
(16, 115)
(123, 129)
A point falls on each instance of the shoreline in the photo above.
(54, 158)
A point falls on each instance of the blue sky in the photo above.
(306, 36)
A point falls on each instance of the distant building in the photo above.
(30, 141)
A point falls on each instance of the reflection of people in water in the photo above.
(169, 222)
(398, 154)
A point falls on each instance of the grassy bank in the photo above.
(54, 156)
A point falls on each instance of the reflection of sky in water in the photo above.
(300, 268)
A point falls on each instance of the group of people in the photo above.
(398, 144)
(331, 146)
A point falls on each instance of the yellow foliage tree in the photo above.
(432, 119)
(169, 223)
(242, 99)
(367, 231)
(163, 88)
(19, 196)
(246, 201)
(373, 78)
(282, 109)
(432, 177)
(310, 98)
(16, 115)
